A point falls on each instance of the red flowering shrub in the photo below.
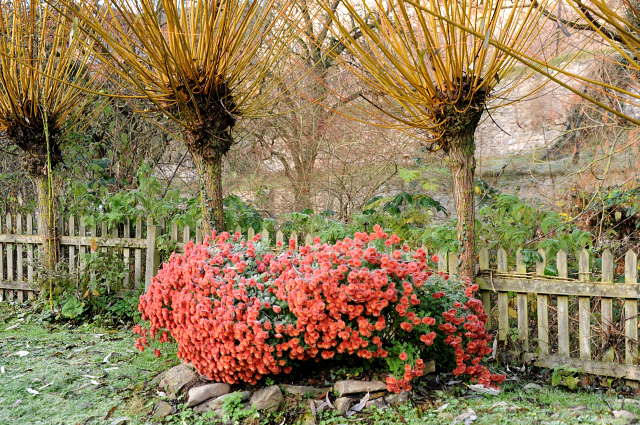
(239, 312)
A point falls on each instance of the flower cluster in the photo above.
(239, 312)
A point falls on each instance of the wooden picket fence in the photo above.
(587, 322)
(20, 246)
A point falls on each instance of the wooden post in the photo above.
(442, 261)
(126, 254)
(72, 249)
(186, 234)
(486, 295)
(238, 229)
(308, 240)
(563, 308)
(280, 239)
(82, 231)
(522, 305)
(251, 234)
(606, 304)
(503, 300)
(153, 258)
(265, 237)
(542, 302)
(137, 265)
(19, 263)
(453, 263)
(584, 308)
(631, 309)
(198, 234)
(10, 275)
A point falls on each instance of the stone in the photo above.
(162, 409)
(302, 390)
(397, 399)
(199, 394)
(156, 379)
(374, 403)
(352, 387)
(217, 403)
(267, 397)
(176, 378)
(320, 405)
(342, 404)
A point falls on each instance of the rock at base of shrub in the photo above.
(267, 397)
(302, 390)
(397, 399)
(342, 404)
(162, 409)
(176, 378)
(199, 394)
(352, 387)
(216, 403)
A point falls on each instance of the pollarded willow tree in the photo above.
(202, 63)
(45, 75)
(438, 79)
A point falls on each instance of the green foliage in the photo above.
(234, 410)
(240, 213)
(566, 376)
(147, 199)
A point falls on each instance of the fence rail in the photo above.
(588, 322)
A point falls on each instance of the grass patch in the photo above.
(81, 374)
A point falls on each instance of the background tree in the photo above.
(204, 64)
(44, 78)
(435, 77)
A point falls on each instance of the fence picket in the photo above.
(542, 304)
(137, 272)
(279, 238)
(251, 234)
(126, 254)
(521, 267)
(522, 308)
(186, 234)
(2, 259)
(631, 309)
(265, 236)
(10, 248)
(152, 255)
(606, 304)
(453, 263)
(72, 249)
(563, 307)
(503, 300)
(308, 240)
(442, 261)
(584, 308)
(486, 295)
(82, 250)
(238, 229)
(19, 264)
(294, 237)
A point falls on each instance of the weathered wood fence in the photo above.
(587, 321)
(140, 242)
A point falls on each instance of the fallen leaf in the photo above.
(95, 382)
(468, 417)
(81, 387)
(2, 369)
(577, 408)
(441, 408)
(106, 359)
(110, 412)
(481, 389)
(120, 421)
(21, 353)
(358, 407)
(532, 386)
(32, 391)
(329, 402)
(18, 401)
(12, 327)
(623, 414)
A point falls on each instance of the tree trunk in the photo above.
(302, 194)
(47, 222)
(463, 165)
(210, 174)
